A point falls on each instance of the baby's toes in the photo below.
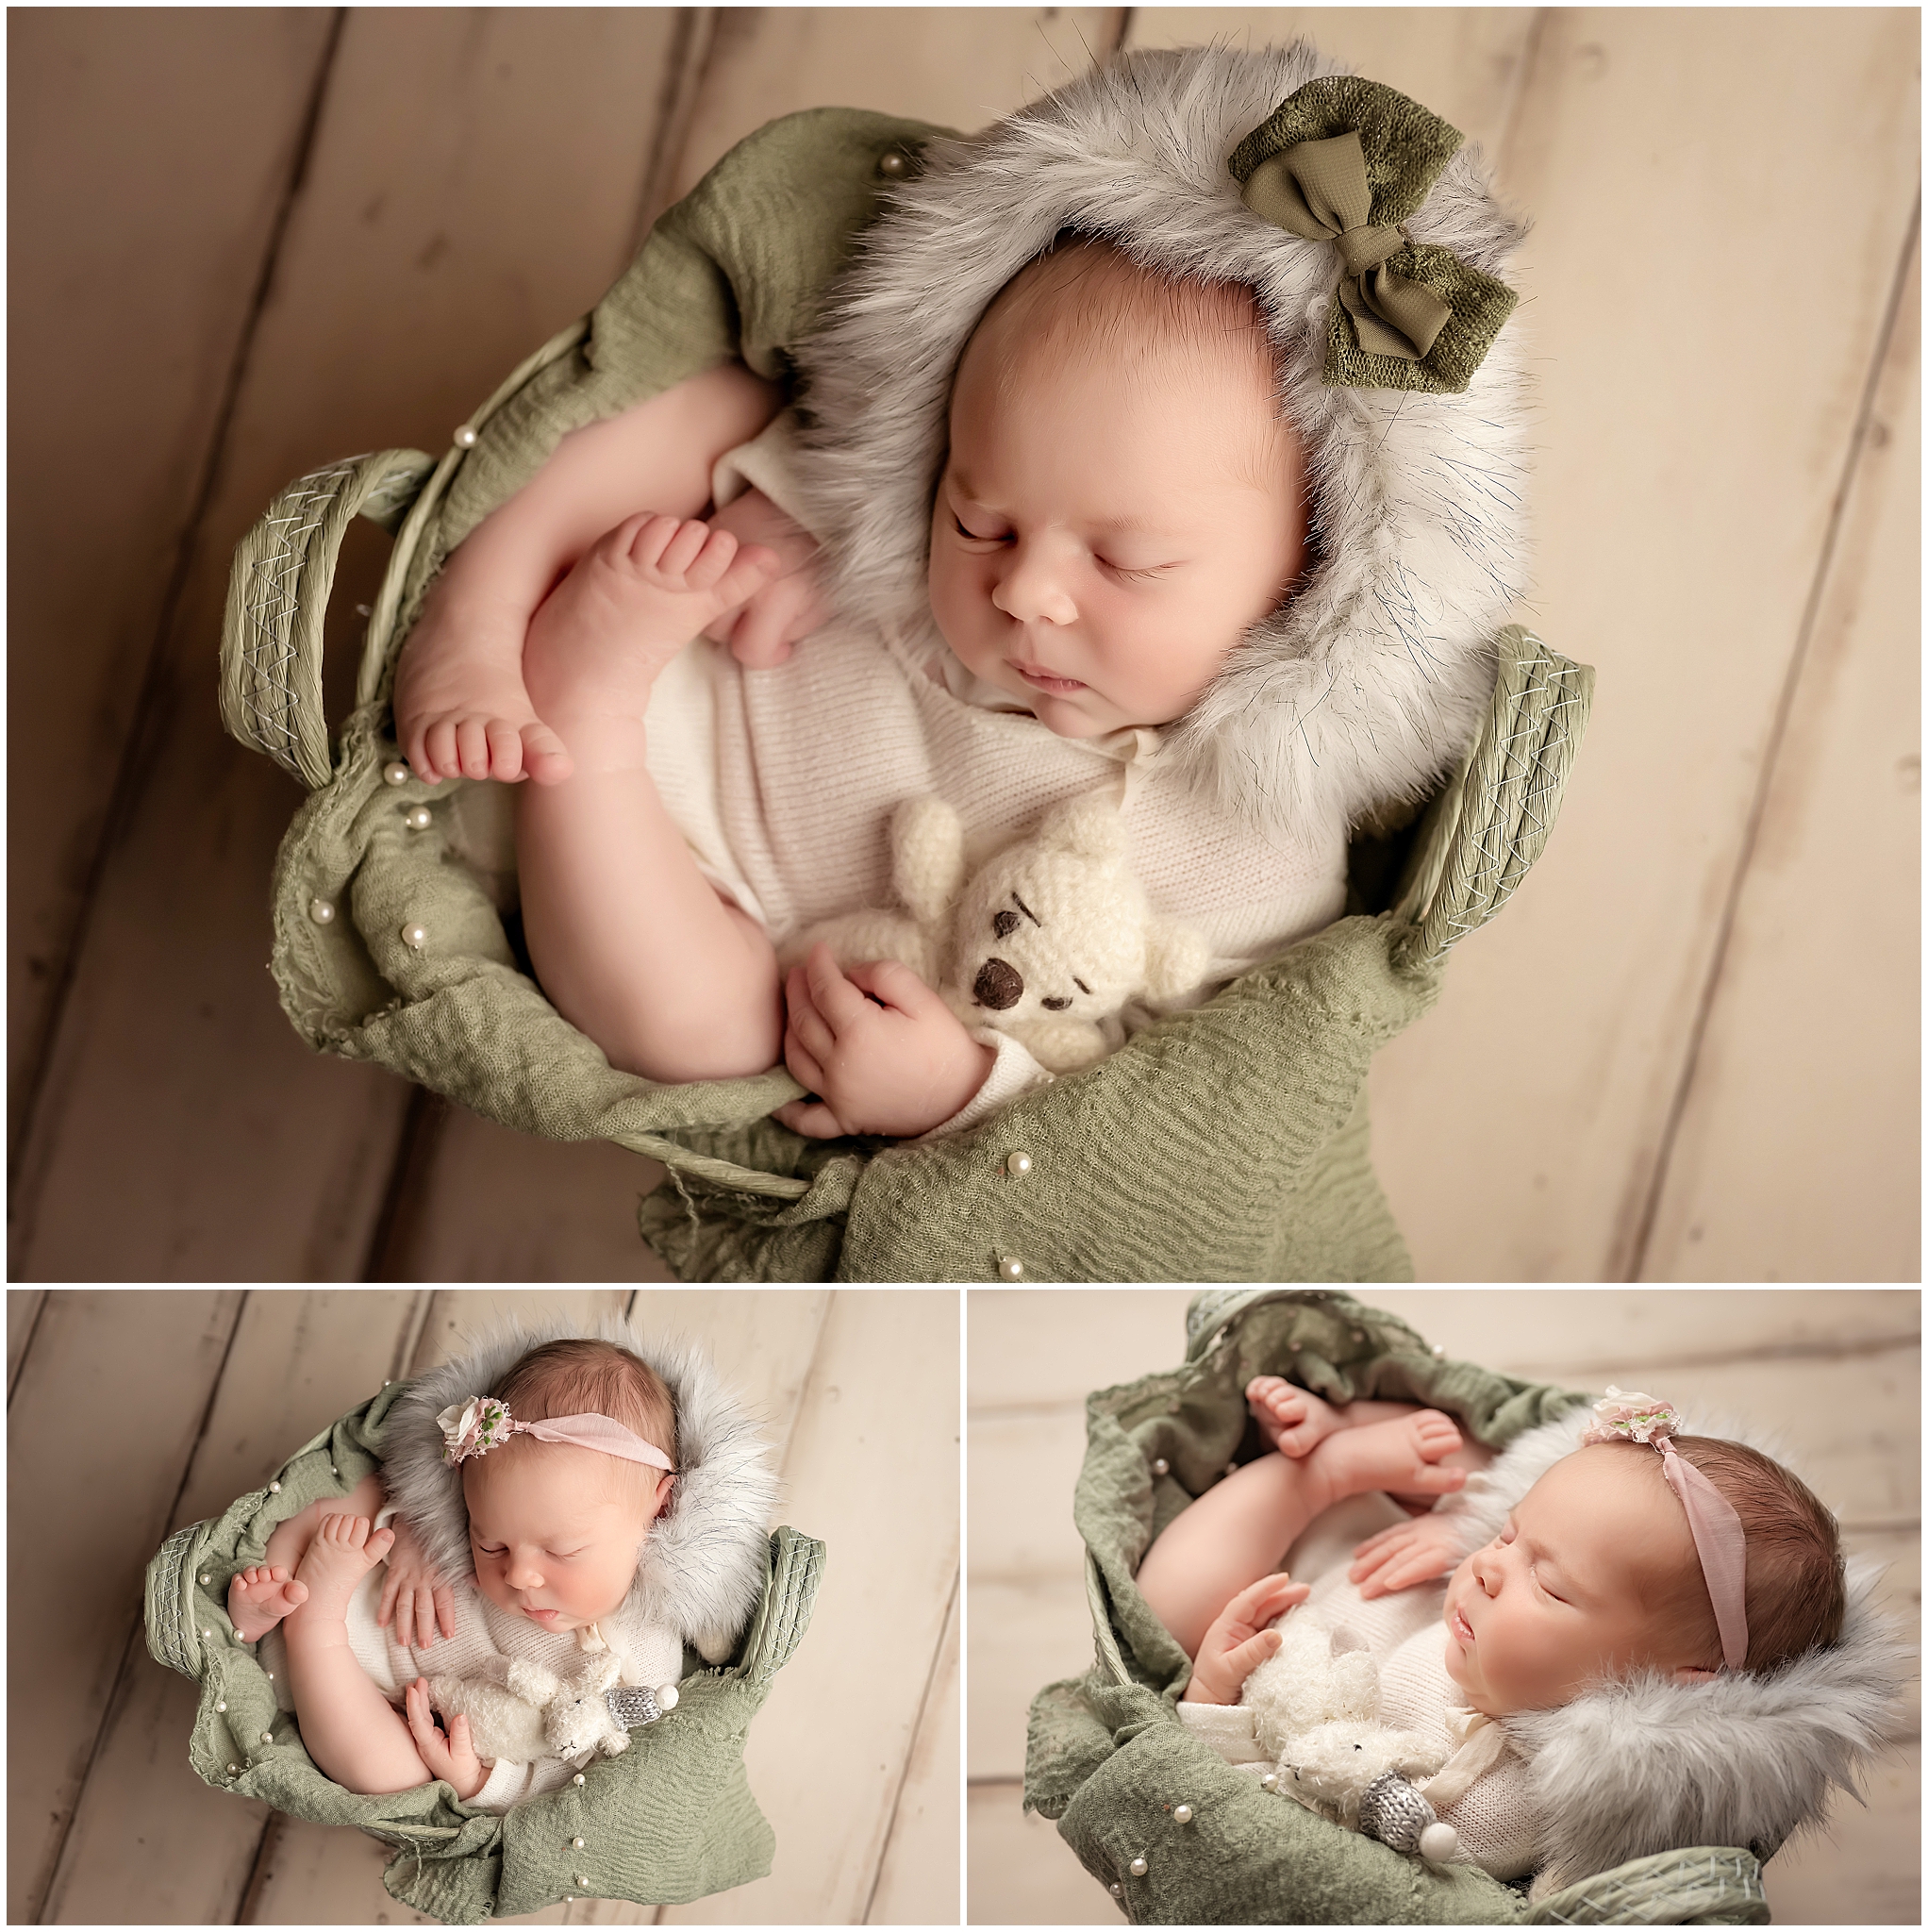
(686, 545)
(1436, 1434)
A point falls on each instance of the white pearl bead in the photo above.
(893, 166)
(417, 818)
(580, 1779)
(270, 1677)
(417, 936)
(267, 1737)
(1270, 1782)
(274, 1489)
(577, 1843)
(221, 1706)
(321, 911)
(206, 1581)
(1011, 1268)
(465, 438)
(1018, 1165)
(1439, 1350)
(1117, 1889)
(207, 1637)
(333, 1471)
(1138, 1868)
(1160, 1467)
(1182, 1813)
(395, 771)
(582, 1879)
(234, 1770)
(667, 1695)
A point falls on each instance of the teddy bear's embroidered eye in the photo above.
(1055, 1005)
(1004, 924)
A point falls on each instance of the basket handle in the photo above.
(277, 596)
(1514, 775)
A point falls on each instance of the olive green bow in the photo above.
(1347, 161)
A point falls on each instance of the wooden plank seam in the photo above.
(130, 774)
(1770, 753)
(134, 1642)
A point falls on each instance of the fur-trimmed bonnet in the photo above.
(1371, 679)
(704, 1565)
(1644, 1765)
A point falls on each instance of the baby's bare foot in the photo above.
(1294, 1419)
(461, 709)
(1400, 1454)
(257, 1599)
(634, 599)
(342, 1552)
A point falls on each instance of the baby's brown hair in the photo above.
(1796, 1590)
(578, 1376)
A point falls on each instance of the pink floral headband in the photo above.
(1628, 1417)
(482, 1423)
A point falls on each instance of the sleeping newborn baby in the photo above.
(561, 1475)
(1642, 1552)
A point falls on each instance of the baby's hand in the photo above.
(896, 1063)
(761, 629)
(1240, 1639)
(1407, 1554)
(418, 1597)
(451, 1758)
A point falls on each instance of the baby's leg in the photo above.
(630, 941)
(461, 707)
(1234, 1533)
(350, 1730)
(257, 1599)
(1297, 1421)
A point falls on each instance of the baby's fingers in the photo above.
(1242, 1659)
(812, 1119)
(1399, 1532)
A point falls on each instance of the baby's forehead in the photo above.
(1607, 1512)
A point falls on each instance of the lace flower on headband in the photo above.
(472, 1428)
(1628, 1416)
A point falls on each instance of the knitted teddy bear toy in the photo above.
(1046, 941)
(522, 1711)
(1315, 1707)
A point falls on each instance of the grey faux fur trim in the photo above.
(1370, 681)
(1645, 1765)
(704, 1566)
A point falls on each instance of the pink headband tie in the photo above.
(482, 1423)
(1626, 1417)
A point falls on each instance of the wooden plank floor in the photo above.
(247, 241)
(134, 1411)
(1836, 1372)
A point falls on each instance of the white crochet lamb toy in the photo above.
(1315, 1705)
(1046, 941)
(522, 1711)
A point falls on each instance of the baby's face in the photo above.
(555, 1538)
(1566, 1592)
(1101, 540)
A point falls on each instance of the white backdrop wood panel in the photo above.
(1837, 1373)
(1810, 1069)
(1686, 475)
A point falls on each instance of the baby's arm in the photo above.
(1240, 1639)
(461, 707)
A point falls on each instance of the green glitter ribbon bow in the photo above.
(1348, 161)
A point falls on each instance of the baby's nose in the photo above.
(997, 985)
(1031, 593)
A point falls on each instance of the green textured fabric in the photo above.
(1106, 1755)
(457, 1864)
(1226, 1143)
(1402, 147)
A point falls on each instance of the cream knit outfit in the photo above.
(783, 782)
(1494, 1815)
(652, 1655)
